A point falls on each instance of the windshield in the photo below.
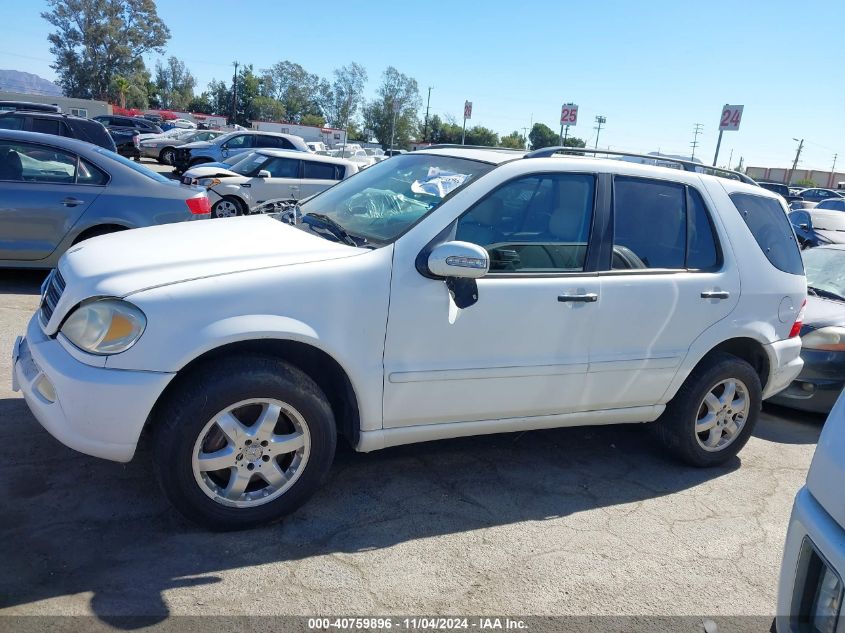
(825, 269)
(830, 221)
(237, 159)
(146, 171)
(384, 200)
(249, 165)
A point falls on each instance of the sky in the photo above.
(653, 68)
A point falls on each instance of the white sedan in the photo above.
(268, 175)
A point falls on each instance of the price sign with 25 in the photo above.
(569, 114)
(731, 116)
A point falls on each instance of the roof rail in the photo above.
(686, 165)
(459, 146)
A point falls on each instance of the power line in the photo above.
(696, 132)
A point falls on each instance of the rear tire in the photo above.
(167, 156)
(714, 412)
(295, 449)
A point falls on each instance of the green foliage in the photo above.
(379, 116)
(542, 135)
(341, 101)
(295, 88)
(174, 84)
(98, 40)
(201, 104)
(805, 182)
(514, 140)
(478, 135)
(313, 119)
(268, 108)
(440, 131)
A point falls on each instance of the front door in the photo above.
(43, 192)
(523, 348)
(282, 184)
(667, 283)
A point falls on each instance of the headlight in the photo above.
(208, 182)
(105, 326)
(831, 339)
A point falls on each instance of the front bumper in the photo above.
(818, 385)
(93, 410)
(808, 521)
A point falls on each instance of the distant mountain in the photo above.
(27, 83)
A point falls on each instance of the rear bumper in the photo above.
(93, 410)
(808, 521)
(818, 385)
(785, 364)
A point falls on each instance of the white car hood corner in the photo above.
(122, 263)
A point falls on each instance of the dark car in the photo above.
(780, 188)
(7, 106)
(814, 227)
(817, 195)
(822, 334)
(117, 122)
(127, 143)
(57, 125)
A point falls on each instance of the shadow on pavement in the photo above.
(21, 281)
(72, 523)
(789, 426)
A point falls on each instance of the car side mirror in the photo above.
(263, 173)
(460, 264)
(460, 260)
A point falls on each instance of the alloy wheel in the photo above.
(722, 414)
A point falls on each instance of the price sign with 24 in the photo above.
(731, 116)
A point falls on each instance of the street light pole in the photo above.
(425, 125)
(600, 120)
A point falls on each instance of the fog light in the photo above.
(45, 388)
(808, 387)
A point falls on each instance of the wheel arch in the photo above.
(98, 229)
(319, 365)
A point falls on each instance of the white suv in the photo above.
(441, 293)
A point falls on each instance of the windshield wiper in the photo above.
(827, 294)
(326, 225)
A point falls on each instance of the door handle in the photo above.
(246, 185)
(294, 187)
(589, 297)
(72, 202)
(715, 294)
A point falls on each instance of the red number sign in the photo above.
(731, 117)
(569, 114)
(467, 109)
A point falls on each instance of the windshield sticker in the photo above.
(439, 182)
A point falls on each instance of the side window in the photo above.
(83, 112)
(282, 167)
(88, 174)
(534, 224)
(649, 224)
(319, 171)
(23, 162)
(239, 142)
(702, 253)
(771, 229)
(47, 126)
(11, 123)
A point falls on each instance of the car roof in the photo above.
(491, 155)
(72, 144)
(292, 153)
(43, 114)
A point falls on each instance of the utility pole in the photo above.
(832, 172)
(525, 136)
(731, 159)
(600, 120)
(346, 126)
(235, 94)
(795, 163)
(425, 125)
(393, 125)
(694, 144)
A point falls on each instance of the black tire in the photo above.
(676, 427)
(202, 395)
(241, 207)
(167, 156)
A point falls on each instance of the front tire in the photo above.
(227, 207)
(714, 412)
(243, 442)
(167, 156)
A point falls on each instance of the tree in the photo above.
(121, 85)
(401, 90)
(175, 84)
(201, 104)
(342, 100)
(219, 97)
(312, 119)
(249, 86)
(542, 135)
(479, 135)
(268, 109)
(804, 182)
(98, 40)
(514, 140)
(297, 89)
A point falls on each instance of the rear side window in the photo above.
(771, 229)
(88, 174)
(282, 168)
(320, 171)
(48, 126)
(11, 123)
(702, 253)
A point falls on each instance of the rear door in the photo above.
(318, 176)
(43, 192)
(666, 282)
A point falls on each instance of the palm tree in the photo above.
(122, 86)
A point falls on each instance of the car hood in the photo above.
(827, 472)
(197, 145)
(209, 170)
(821, 312)
(834, 237)
(123, 263)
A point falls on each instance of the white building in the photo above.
(78, 107)
(328, 135)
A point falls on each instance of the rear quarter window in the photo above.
(771, 229)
